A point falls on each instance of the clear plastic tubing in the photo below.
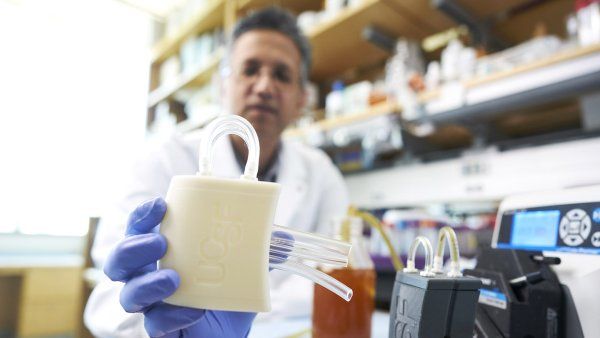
(410, 262)
(224, 125)
(303, 245)
(277, 251)
(316, 276)
(319, 245)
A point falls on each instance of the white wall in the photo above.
(73, 90)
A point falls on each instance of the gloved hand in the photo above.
(281, 256)
(134, 262)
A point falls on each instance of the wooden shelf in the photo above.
(563, 75)
(561, 56)
(192, 79)
(295, 6)
(210, 17)
(338, 44)
(380, 109)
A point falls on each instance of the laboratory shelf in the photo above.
(380, 109)
(295, 6)
(338, 45)
(339, 48)
(211, 16)
(197, 78)
(567, 74)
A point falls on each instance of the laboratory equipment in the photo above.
(429, 303)
(219, 234)
(523, 292)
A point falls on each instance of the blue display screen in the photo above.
(535, 229)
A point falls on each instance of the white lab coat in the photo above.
(312, 193)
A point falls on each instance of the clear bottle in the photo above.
(334, 103)
(332, 316)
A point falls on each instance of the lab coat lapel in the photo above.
(293, 179)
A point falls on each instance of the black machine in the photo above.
(514, 290)
(432, 307)
(522, 296)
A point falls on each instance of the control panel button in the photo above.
(573, 240)
(596, 239)
(575, 227)
(576, 214)
(586, 227)
(596, 215)
(563, 230)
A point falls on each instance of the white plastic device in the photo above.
(218, 232)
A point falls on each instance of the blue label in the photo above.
(493, 294)
(492, 298)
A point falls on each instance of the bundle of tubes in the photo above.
(290, 247)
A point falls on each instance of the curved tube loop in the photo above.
(410, 263)
(447, 233)
(224, 125)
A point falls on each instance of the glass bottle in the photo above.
(332, 316)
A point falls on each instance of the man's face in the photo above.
(264, 85)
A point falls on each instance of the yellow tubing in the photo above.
(374, 223)
(447, 233)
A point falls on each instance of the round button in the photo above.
(596, 239)
(575, 227)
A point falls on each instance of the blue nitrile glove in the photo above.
(134, 262)
(277, 257)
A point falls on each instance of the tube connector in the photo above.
(454, 270)
(438, 265)
(410, 267)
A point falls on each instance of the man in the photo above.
(265, 71)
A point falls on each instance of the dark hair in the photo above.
(279, 20)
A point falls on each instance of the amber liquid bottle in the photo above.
(333, 317)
